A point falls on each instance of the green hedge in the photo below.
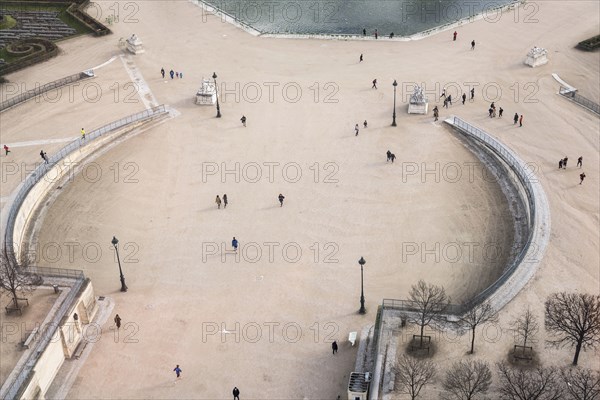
(71, 12)
(590, 44)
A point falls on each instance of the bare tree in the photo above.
(476, 316)
(467, 379)
(430, 302)
(15, 280)
(413, 374)
(581, 384)
(573, 319)
(529, 384)
(526, 326)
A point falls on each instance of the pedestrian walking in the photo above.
(365, 123)
(472, 94)
(392, 157)
(579, 161)
(82, 134)
(490, 111)
(176, 74)
(218, 201)
(281, 197)
(581, 177)
(356, 129)
(243, 119)
(500, 111)
(516, 119)
(376, 34)
(565, 162)
(234, 244)
(334, 347)
(162, 72)
(181, 75)
(521, 121)
(450, 99)
(236, 393)
(473, 45)
(172, 73)
(464, 98)
(360, 58)
(443, 93)
(436, 113)
(392, 35)
(454, 36)
(364, 32)
(560, 164)
(225, 201)
(389, 155)
(6, 150)
(446, 102)
(374, 84)
(44, 156)
(177, 372)
(118, 321)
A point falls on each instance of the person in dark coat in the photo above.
(281, 197)
(236, 393)
(334, 347)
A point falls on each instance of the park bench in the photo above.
(31, 338)
(18, 308)
(352, 337)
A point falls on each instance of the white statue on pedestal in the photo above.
(135, 45)
(536, 57)
(206, 95)
(418, 103)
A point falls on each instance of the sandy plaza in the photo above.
(263, 318)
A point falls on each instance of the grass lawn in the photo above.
(60, 8)
(8, 57)
(8, 22)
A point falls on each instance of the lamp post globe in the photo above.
(362, 310)
(114, 242)
(214, 76)
(394, 115)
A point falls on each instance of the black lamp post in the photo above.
(123, 285)
(362, 292)
(394, 117)
(217, 95)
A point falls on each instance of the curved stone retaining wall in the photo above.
(520, 268)
(34, 189)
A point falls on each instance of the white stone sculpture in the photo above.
(418, 103)
(206, 95)
(135, 45)
(536, 57)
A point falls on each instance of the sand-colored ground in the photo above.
(168, 219)
(16, 328)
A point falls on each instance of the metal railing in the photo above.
(579, 99)
(41, 170)
(50, 330)
(13, 101)
(524, 176)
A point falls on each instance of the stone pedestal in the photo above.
(206, 95)
(418, 102)
(536, 57)
(135, 45)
